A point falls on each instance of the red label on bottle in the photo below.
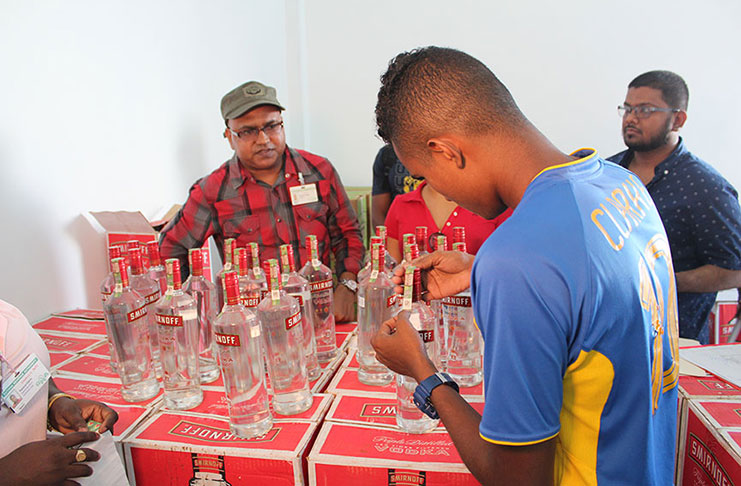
(391, 301)
(464, 301)
(293, 320)
(153, 297)
(227, 339)
(298, 297)
(136, 314)
(263, 294)
(427, 336)
(166, 320)
(250, 301)
(321, 285)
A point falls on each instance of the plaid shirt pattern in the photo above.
(231, 203)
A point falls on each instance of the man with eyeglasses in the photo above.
(271, 194)
(699, 208)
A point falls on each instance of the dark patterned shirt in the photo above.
(231, 203)
(700, 211)
(390, 176)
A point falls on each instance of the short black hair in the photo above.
(673, 89)
(434, 89)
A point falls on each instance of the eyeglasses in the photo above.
(643, 111)
(250, 134)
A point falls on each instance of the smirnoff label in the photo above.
(407, 478)
(391, 301)
(250, 301)
(293, 320)
(227, 339)
(298, 297)
(207, 433)
(458, 301)
(378, 410)
(136, 314)
(427, 336)
(165, 320)
(151, 298)
(704, 457)
(321, 285)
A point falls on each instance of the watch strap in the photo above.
(424, 390)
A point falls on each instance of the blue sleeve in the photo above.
(381, 184)
(716, 222)
(522, 307)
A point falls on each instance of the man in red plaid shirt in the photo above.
(271, 194)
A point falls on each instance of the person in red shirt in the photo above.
(270, 194)
(426, 207)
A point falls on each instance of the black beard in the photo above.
(653, 143)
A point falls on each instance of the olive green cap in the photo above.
(243, 98)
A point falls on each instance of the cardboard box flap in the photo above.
(123, 221)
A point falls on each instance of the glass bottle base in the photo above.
(143, 390)
(416, 426)
(466, 379)
(326, 356)
(183, 399)
(292, 403)
(209, 374)
(251, 430)
(375, 378)
(313, 373)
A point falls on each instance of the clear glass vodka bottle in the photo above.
(408, 417)
(106, 289)
(125, 316)
(441, 244)
(319, 277)
(256, 273)
(251, 289)
(366, 270)
(156, 269)
(280, 319)
(108, 283)
(177, 324)
(420, 237)
(376, 304)
(150, 290)
(390, 262)
(464, 342)
(237, 334)
(297, 287)
(203, 293)
(230, 244)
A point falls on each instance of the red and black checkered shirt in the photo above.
(231, 203)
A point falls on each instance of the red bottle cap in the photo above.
(196, 261)
(231, 287)
(153, 251)
(459, 234)
(135, 255)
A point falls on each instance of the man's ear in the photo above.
(446, 150)
(228, 136)
(679, 119)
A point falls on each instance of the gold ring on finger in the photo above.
(80, 456)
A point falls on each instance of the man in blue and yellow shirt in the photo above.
(574, 294)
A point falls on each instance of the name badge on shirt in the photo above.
(20, 387)
(303, 194)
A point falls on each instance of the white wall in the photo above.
(115, 105)
(567, 64)
(106, 106)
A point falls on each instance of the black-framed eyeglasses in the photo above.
(250, 134)
(643, 111)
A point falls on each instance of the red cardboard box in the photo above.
(172, 448)
(58, 359)
(68, 343)
(88, 366)
(346, 382)
(81, 314)
(358, 454)
(343, 340)
(378, 411)
(720, 325)
(64, 325)
(708, 455)
(102, 391)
